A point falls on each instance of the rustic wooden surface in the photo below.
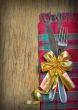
(19, 48)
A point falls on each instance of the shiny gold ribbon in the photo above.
(56, 68)
(37, 96)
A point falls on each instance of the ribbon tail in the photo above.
(62, 92)
(67, 81)
(47, 83)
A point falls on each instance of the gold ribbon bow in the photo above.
(56, 68)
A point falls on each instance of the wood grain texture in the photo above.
(19, 48)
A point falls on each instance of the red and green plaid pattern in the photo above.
(44, 46)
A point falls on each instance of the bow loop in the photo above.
(64, 56)
(46, 66)
(49, 57)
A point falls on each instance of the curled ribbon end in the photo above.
(30, 102)
(37, 95)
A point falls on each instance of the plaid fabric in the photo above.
(72, 25)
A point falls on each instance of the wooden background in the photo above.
(19, 48)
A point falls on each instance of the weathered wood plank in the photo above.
(19, 48)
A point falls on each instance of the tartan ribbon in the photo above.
(56, 67)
